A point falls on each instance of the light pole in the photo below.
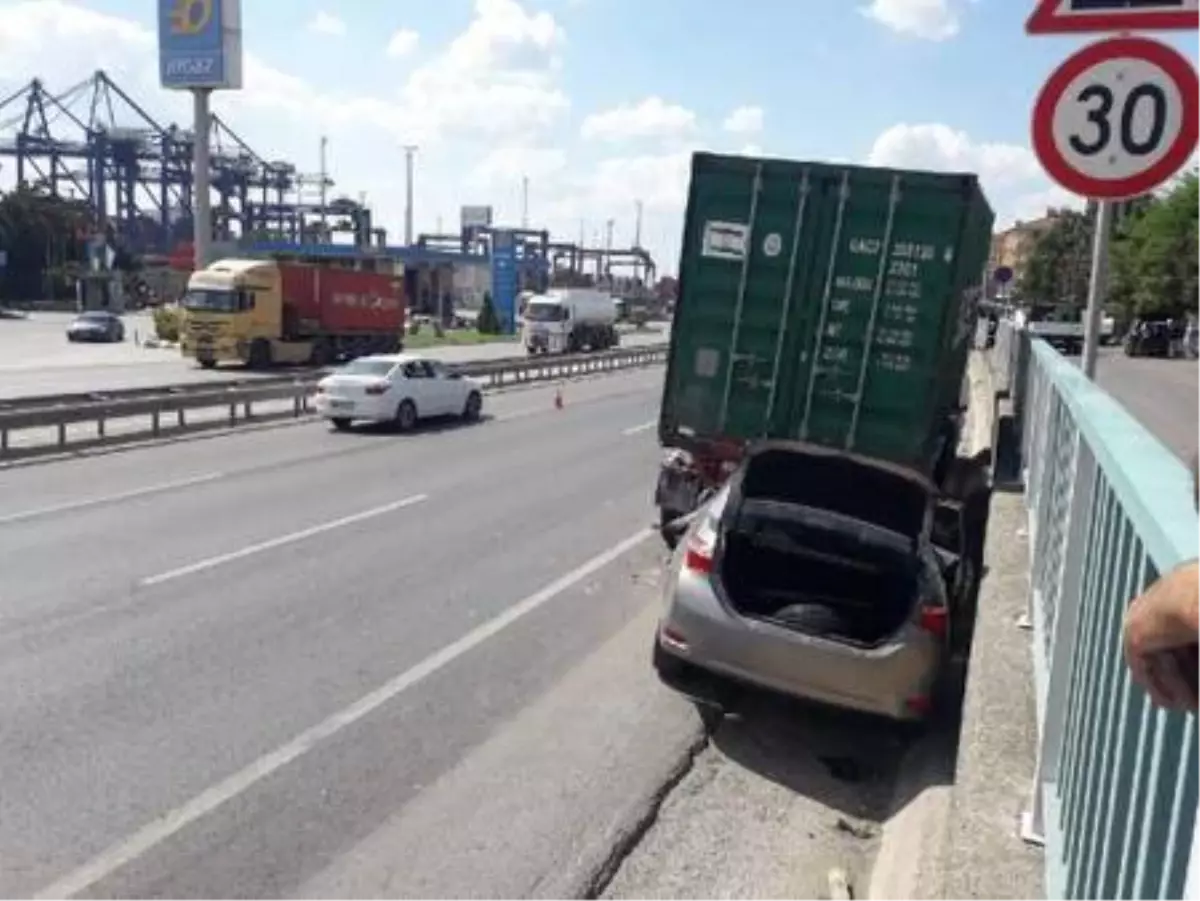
(637, 240)
(525, 201)
(608, 244)
(201, 199)
(409, 151)
(324, 186)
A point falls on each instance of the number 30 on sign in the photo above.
(1118, 118)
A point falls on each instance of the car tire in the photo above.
(473, 407)
(341, 423)
(260, 354)
(208, 364)
(406, 416)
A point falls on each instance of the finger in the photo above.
(1170, 689)
(1186, 661)
(1154, 683)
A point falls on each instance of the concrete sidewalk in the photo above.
(953, 829)
(984, 854)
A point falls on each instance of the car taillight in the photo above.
(935, 621)
(698, 559)
(377, 388)
(698, 554)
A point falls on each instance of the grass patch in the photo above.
(451, 338)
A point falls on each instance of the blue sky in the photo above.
(598, 102)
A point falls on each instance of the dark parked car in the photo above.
(1149, 338)
(96, 325)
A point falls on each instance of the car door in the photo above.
(451, 397)
(417, 386)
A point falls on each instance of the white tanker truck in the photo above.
(569, 320)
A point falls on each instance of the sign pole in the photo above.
(1097, 286)
(201, 177)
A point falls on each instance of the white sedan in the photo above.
(396, 388)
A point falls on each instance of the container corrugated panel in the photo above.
(831, 304)
(334, 300)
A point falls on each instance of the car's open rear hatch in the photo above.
(823, 543)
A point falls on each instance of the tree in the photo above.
(38, 233)
(488, 322)
(1155, 256)
(1057, 269)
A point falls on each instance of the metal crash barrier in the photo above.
(1110, 509)
(168, 407)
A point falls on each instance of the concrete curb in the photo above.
(914, 841)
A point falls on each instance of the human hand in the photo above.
(1161, 637)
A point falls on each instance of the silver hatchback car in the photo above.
(812, 573)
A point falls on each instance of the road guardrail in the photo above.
(240, 398)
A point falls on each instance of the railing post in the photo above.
(1052, 709)
(1191, 888)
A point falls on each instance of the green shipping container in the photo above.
(825, 303)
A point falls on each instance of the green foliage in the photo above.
(1155, 256)
(167, 322)
(1057, 271)
(489, 322)
(40, 235)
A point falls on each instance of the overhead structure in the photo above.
(94, 142)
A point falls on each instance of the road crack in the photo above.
(631, 836)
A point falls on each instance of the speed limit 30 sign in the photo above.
(1118, 118)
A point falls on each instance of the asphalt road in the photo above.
(157, 643)
(1163, 395)
(293, 662)
(36, 359)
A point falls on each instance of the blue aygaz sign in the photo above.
(504, 279)
(199, 44)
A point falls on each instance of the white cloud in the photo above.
(745, 120)
(940, 147)
(498, 79)
(931, 20)
(1010, 173)
(327, 24)
(402, 43)
(508, 165)
(652, 118)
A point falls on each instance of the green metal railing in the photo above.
(1110, 509)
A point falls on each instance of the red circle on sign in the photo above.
(1177, 68)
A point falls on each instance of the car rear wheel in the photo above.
(341, 423)
(473, 406)
(406, 415)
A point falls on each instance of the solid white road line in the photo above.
(171, 822)
(67, 507)
(645, 426)
(291, 537)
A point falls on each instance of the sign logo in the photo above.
(191, 17)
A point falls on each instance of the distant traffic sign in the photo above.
(1118, 118)
(1074, 16)
(1003, 275)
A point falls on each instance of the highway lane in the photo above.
(36, 359)
(170, 652)
(1163, 395)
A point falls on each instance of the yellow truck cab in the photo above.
(231, 309)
